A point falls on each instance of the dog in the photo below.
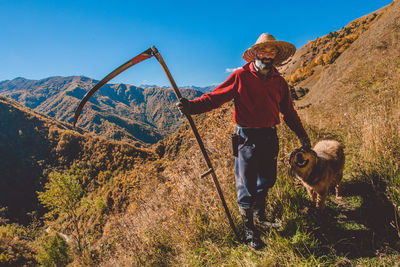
(319, 169)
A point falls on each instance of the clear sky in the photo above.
(199, 40)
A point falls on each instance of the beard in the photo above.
(264, 63)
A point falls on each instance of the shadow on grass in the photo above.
(359, 225)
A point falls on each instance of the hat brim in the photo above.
(286, 50)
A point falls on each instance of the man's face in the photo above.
(265, 57)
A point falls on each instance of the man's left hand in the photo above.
(305, 142)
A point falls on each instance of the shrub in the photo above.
(54, 252)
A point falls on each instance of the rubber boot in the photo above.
(259, 214)
(251, 238)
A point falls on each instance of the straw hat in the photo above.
(286, 49)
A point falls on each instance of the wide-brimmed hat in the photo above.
(286, 49)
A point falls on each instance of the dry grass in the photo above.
(178, 220)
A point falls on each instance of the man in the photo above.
(259, 94)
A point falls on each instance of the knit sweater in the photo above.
(258, 102)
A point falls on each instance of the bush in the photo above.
(54, 252)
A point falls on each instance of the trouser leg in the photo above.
(267, 166)
(246, 177)
(255, 170)
(255, 166)
(265, 180)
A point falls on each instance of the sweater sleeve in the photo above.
(220, 95)
(289, 114)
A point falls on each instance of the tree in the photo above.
(62, 196)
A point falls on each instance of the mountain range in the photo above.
(117, 111)
(204, 89)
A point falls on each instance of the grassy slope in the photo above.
(179, 220)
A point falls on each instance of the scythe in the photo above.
(143, 56)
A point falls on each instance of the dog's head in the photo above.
(302, 161)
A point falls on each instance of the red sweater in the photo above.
(257, 102)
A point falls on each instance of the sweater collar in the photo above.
(250, 67)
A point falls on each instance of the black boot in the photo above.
(251, 237)
(259, 214)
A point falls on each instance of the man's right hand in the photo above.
(183, 106)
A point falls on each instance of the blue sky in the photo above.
(199, 40)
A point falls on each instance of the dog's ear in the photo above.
(288, 157)
(291, 156)
(308, 150)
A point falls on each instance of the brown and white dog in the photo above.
(318, 169)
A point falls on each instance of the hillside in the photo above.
(313, 58)
(359, 92)
(32, 145)
(117, 111)
(365, 70)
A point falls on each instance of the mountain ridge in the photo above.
(118, 111)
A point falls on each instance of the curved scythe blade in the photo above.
(143, 56)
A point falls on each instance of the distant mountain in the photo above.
(32, 145)
(205, 89)
(116, 111)
(145, 86)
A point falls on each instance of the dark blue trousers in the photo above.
(255, 166)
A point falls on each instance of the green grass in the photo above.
(353, 231)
